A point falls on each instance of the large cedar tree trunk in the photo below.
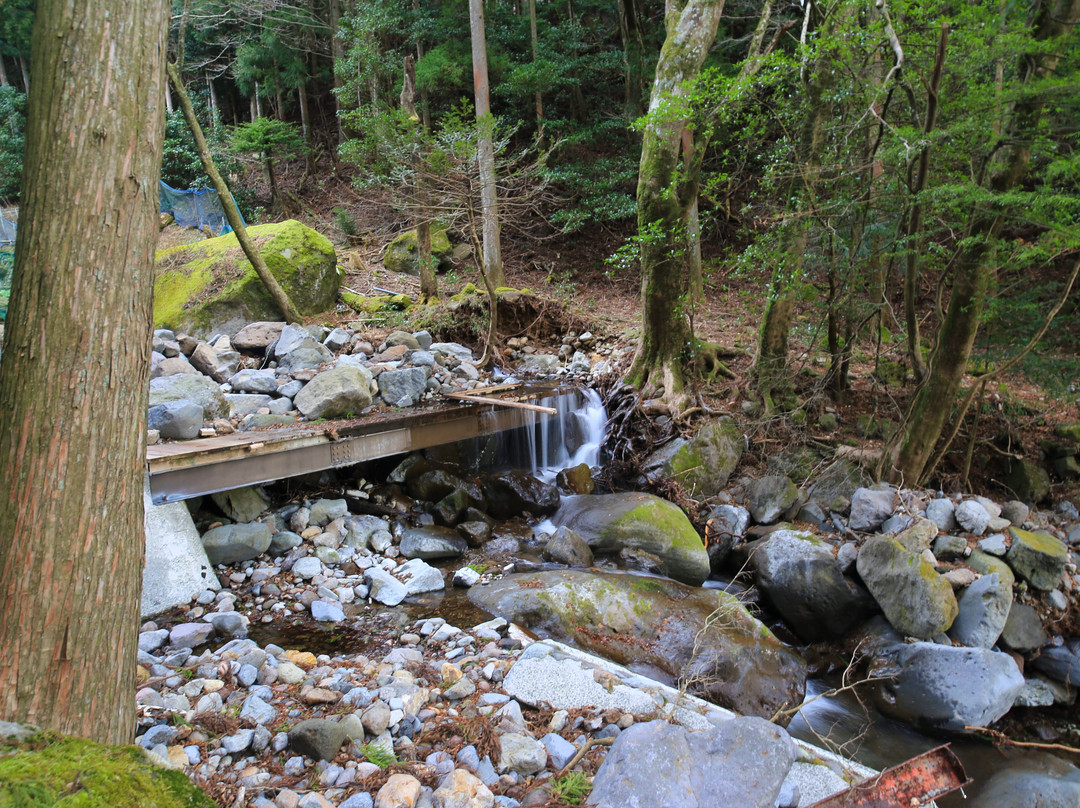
(665, 195)
(908, 453)
(75, 368)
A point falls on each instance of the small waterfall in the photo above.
(547, 444)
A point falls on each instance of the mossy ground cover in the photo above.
(51, 770)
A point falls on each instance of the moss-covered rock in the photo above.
(703, 465)
(613, 522)
(402, 254)
(50, 770)
(210, 287)
(376, 303)
(665, 629)
(917, 601)
(1037, 557)
(1029, 481)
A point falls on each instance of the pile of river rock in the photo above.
(272, 374)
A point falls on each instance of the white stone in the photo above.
(176, 568)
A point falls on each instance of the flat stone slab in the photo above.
(816, 772)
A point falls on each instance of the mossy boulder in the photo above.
(703, 464)
(49, 769)
(614, 522)
(1029, 481)
(362, 304)
(1038, 558)
(916, 600)
(664, 629)
(402, 255)
(210, 287)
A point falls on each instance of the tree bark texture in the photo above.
(909, 452)
(75, 368)
(664, 196)
(485, 124)
(232, 212)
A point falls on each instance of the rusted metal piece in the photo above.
(911, 784)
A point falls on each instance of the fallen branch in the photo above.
(1000, 738)
(585, 747)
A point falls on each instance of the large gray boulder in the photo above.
(511, 493)
(336, 392)
(612, 522)
(432, 542)
(257, 336)
(231, 543)
(309, 353)
(870, 507)
(320, 738)
(704, 464)
(1037, 558)
(768, 498)
(402, 388)
(185, 387)
(839, 480)
(663, 628)
(176, 568)
(800, 576)
(242, 504)
(739, 762)
(176, 420)
(251, 380)
(983, 609)
(945, 687)
(1023, 630)
(1061, 662)
(916, 600)
(567, 547)
(1033, 780)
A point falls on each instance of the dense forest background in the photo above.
(884, 182)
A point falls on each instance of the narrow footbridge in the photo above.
(192, 468)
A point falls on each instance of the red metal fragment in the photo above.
(910, 784)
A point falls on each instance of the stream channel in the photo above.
(847, 723)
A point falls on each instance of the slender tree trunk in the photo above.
(3, 73)
(485, 124)
(536, 57)
(168, 99)
(76, 367)
(770, 371)
(305, 124)
(911, 269)
(664, 196)
(232, 213)
(213, 101)
(25, 73)
(429, 288)
(337, 51)
(633, 48)
(908, 454)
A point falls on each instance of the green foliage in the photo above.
(378, 755)
(12, 141)
(267, 138)
(344, 222)
(571, 788)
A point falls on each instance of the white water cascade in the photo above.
(547, 444)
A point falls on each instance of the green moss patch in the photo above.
(210, 286)
(51, 770)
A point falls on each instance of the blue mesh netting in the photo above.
(195, 208)
(7, 258)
